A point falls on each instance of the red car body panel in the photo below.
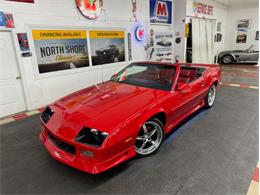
(120, 110)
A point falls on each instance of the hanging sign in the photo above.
(200, 8)
(91, 9)
(161, 11)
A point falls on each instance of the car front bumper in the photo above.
(76, 160)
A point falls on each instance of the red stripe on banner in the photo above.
(256, 175)
(19, 116)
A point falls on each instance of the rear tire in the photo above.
(211, 96)
(150, 137)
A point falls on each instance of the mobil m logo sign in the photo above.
(161, 11)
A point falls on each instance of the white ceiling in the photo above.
(236, 2)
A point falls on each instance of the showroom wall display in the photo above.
(244, 23)
(60, 49)
(163, 46)
(2, 19)
(160, 11)
(241, 35)
(107, 47)
(23, 42)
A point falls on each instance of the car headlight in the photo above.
(47, 114)
(91, 137)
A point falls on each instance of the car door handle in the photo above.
(202, 84)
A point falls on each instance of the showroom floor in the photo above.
(214, 152)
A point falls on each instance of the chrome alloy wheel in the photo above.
(227, 59)
(211, 95)
(149, 138)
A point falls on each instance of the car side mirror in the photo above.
(181, 87)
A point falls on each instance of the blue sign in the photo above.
(2, 19)
(161, 11)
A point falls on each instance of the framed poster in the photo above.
(161, 11)
(23, 42)
(163, 46)
(241, 36)
(58, 50)
(257, 35)
(2, 19)
(244, 23)
(107, 46)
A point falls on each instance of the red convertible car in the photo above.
(99, 127)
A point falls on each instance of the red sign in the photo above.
(91, 9)
(200, 8)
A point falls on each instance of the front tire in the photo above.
(227, 59)
(211, 96)
(150, 137)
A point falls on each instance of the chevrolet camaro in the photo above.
(98, 127)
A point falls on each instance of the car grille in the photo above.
(62, 145)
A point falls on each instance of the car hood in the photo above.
(106, 105)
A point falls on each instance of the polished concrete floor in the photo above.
(213, 152)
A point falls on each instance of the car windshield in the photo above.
(156, 76)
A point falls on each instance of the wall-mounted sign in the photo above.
(91, 9)
(107, 46)
(2, 19)
(9, 21)
(244, 23)
(161, 11)
(60, 49)
(23, 42)
(163, 46)
(140, 33)
(200, 8)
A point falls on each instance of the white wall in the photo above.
(244, 11)
(220, 12)
(64, 14)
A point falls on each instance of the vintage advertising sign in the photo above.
(60, 49)
(107, 46)
(140, 33)
(200, 8)
(163, 46)
(161, 11)
(91, 9)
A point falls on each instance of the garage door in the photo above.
(11, 94)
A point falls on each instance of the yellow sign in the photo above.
(58, 34)
(107, 34)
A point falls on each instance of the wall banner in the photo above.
(60, 49)
(163, 46)
(161, 11)
(107, 47)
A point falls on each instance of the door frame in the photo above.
(18, 59)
